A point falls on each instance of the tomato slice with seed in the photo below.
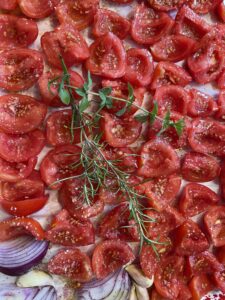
(73, 264)
(165, 5)
(36, 9)
(68, 231)
(8, 5)
(203, 7)
(109, 256)
(200, 286)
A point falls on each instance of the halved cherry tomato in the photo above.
(109, 21)
(203, 7)
(109, 256)
(221, 80)
(67, 42)
(221, 11)
(189, 239)
(20, 68)
(67, 231)
(80, 14)
(8, 5)
(157, 159)
(201, 104)
(139, 67)
(219, 279)
(60, 163)
(198, 167)
(20, 113)
(190, 24)
(119, 133)
(172, 48)
(14, 227)
(149, 26)
(71, 263)
(36, 9)
(173, 98)
(72, 198)
(207, 136)
(168, 73)
(214, 221)
(222, 179)
(107, 57)
(17, 32)
(200, 286)
(19, 148)
(221, 105)
(165, 5)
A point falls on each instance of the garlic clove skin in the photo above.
(34, 278)
(133, 295)
(141, 293)
(138, 276)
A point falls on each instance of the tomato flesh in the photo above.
(8, 5)
(36, 9)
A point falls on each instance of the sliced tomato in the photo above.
(198, 167)
(149, 26)
(220, 254)
(168, 73)
(200, 286)
(139, 67)
(221, 80)
(222, 179)
(20, 113)
(8, 5)
(191, 24)
(36, 9)
(119, 133)
(165, 5)
(68, 231)
(14, 227)
(190, 239)
(17, 32)
(157, 158)
(208, 137)
(203, 7)
(109, 21)
(221, 11)
(107, 57)
(221, 105)
(67, 42)
(109, 256)
(214, 221)
(59, 164)
(20, 68)
(71, 263)
(80, 14)
(219, 279)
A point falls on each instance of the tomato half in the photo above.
(165, 5)
(221, 80)
(149, 26)
(214, 221)
(109, 21)
(71, 263)
(67, 42)
(203, 7)
(219, 279)
(168, 73)
(8, 5)
(109, 256)
(207, 136)
(221, 11)
(107, 57)
(220, 254)
(36, 9)
(68, 231)
(221, 105)
(157, 158)
(20, 68)
(198, 167)
(20, 113)
(172, 48)
(200, 286)
(222, 179)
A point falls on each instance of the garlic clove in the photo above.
(34, 278)
(138, 276)
(141, 293)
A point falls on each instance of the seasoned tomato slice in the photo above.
(219, 279)
(157, 158)
(20, 113)
(109, 21)
(168, 73)
(200, 286)
(172, 48)
(221, 105)
(165, 5)
(73, 264)
(79, 14)
(17, 32)
(8, 5)
(36, 9)
(198, 167)
(20, 68)
(203, 7)
(107, 57)
(67, 42)
(149, 26)
(207, 136)
(68, 231)
(139, 67)
(109, 256)
(190, 239)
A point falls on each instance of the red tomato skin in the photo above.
(222, 179)
(64, 41)
(108, 256)
(221, 11)
(173, 48)
(8, 5)
(166, 164)
(109, 21)
(215, 225)
(220, 254)
(26, 67)
(219, 280)
(221, 80)
(139, 67)
(221, 106)
(168, 73)
(200, 286)
(149, 26)
(20, 113)
(165, 5)
(97, 64)
(203, 7)
(198, 167)
(37, 9)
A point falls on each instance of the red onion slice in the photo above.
(19, 255)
